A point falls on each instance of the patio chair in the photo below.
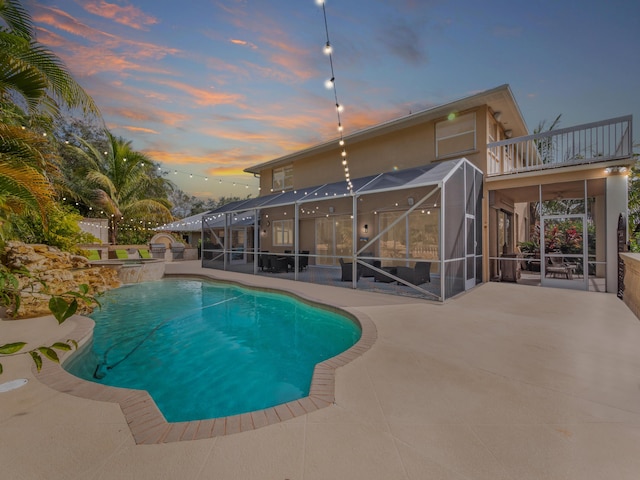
(369, 272)
(381, 277)
(558, 267)
(263, 260)
(347, 271)
(303, 260)
(418, 275)
(278, 264)
(93, 255)
(144, 253)
(121, 254)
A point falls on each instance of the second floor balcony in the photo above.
(589, 143)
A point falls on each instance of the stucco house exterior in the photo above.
(439, 201)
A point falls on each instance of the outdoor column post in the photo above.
(354, 245)
(226, 240)
(442, 252)
(296, 240)
(256, 239)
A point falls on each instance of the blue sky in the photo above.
(209, 88)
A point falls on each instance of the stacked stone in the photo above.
(60, 271)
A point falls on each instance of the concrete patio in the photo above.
(504, 382)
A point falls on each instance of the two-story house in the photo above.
(435, 202)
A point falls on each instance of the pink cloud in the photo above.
(243, 43)
(202, 96)
(131, 128)
(61, 20)
(128, 15)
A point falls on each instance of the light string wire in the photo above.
(168, 172)
(331, 83)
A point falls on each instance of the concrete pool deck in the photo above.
(504, 382)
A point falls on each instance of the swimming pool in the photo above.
(207, 349)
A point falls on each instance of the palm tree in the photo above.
(34, 85)
(24, 185)
(119, 183)
(30, 74)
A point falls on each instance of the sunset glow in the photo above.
(215, 87)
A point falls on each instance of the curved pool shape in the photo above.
(206, 349)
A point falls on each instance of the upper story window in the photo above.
(456, 135)
(282, 178)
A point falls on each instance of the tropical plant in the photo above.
(61, 306)
(24, 184)
(63, 228)
(634, 208)
(31, 76)
(120, 184)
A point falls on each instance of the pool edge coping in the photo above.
(147, 423)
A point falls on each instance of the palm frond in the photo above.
(17, 18)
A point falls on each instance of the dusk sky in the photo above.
(211, 87)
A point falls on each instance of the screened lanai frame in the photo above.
(455, 186)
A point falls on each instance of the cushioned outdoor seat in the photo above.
(144, 253)
(93, 255)
(418, 275)
(122, 254)
(347, 271)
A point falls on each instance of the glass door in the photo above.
(238, 245)
(564, 257)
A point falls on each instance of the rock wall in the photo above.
(60, 271)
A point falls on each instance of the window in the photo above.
(416, 236)
(333, 237)
(282, 231)
(282, 178)
(456, 135)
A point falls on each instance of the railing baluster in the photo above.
(598, 141)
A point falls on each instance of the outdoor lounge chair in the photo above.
(381, 277)
(418, 275)
(144, 253)
(93, 255)
(370, 272)
(557, 267)
(122, 254)
(347, 271)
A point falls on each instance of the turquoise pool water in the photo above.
(206, 349)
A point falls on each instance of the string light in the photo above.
(331, 84)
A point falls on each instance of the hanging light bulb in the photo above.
(175, 172)
(339, 127)
(341, 142)
(344, 153)
(339, 107)
(327, 49)
(329, 83)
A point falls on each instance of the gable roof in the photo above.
(499, 99)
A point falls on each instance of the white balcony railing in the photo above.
(588, 143)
